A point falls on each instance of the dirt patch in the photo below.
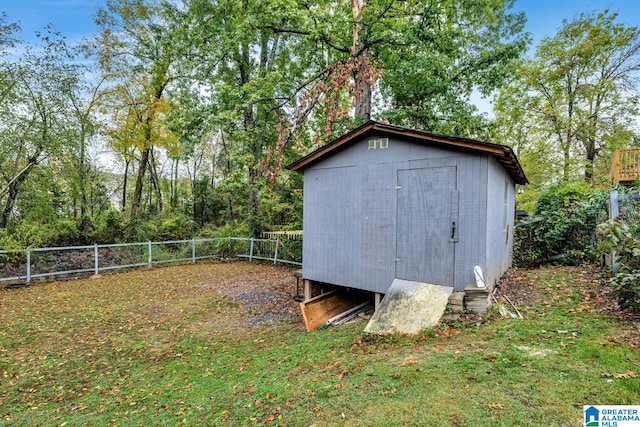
(518, 288)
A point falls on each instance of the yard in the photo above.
(224, 344)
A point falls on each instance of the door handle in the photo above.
(453, 230)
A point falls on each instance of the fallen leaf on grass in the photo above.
(495, 406)
(270, 418)
(629, 374)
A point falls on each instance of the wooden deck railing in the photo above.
(625, 167)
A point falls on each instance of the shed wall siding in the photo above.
(499, 234)
(471, 249)
(332, 210)
(350, 202)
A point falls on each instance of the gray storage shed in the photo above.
(385, 202)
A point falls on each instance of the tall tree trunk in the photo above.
(232, 217)
(159, 83)
(149, 205)
(174, 194)
(227, 174)
(565, 166)
(361, 77)
(12, 195)
(589, 140)
(362, 99)
(12, 192)
(591, 152)
(250, 124)
(123, 205)
(83, 173)
(172, 185)
(137, 194)
(155, 180)
(254, 204)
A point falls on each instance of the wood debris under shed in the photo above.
(333, 308)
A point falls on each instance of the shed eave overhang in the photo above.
(502, 153)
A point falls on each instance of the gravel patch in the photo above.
(266, 296)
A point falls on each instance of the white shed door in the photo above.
(427, 225)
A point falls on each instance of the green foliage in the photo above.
(227, 93)
(177, 227)
(575, 101)
(282, 204)
(527, 197)
(139, 230)
(209, 86)
(225, 246)
(208, 203)
(228, 230)
(59, 232)
(563, 227)
(111, 228)
(434, 64)
(558, 197)
(617, 238)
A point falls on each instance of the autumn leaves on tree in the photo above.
(201, 103)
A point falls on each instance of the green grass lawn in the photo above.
(159, 348)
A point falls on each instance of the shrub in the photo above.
(140, 230)
(616, 237)
(225, 247)
(563, 227)
(111, 228)
(177, 227)
(34, 235)
(228, 230)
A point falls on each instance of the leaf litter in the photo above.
(519, 286)
(101, 327)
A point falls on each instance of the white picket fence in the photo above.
(28, 264)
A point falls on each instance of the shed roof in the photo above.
(503, 154)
